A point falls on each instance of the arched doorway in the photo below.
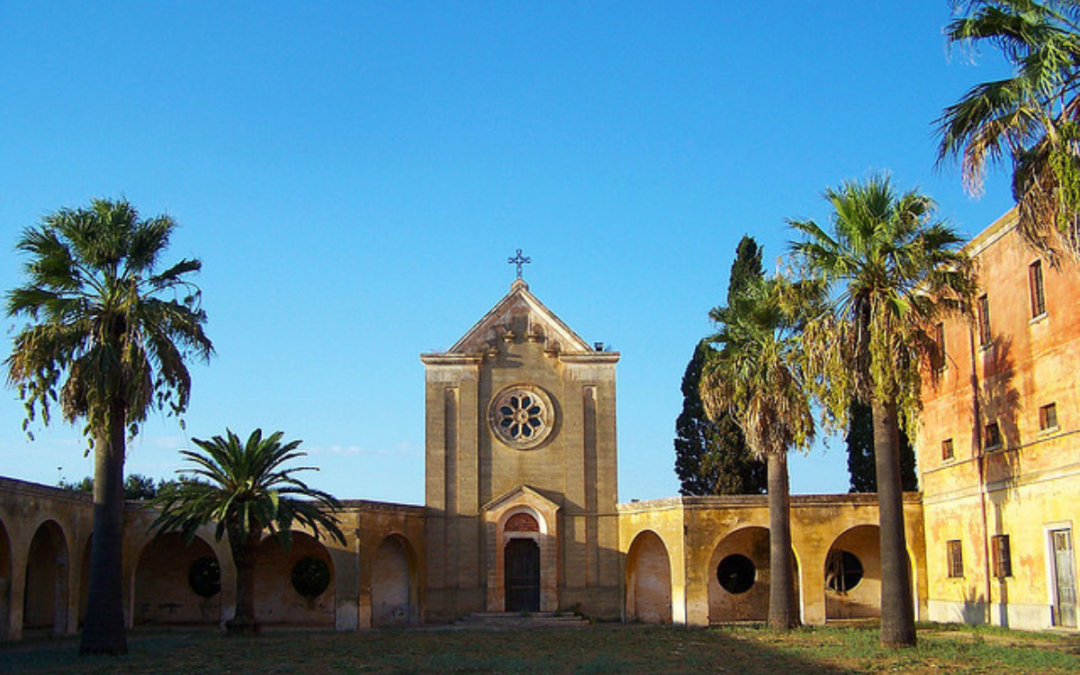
(5, 583)
(853, 574)
(296, 586)
(648, 580)
(739, 575)
(521, 563)
(45, 600)
(394, 588)
(177, 583)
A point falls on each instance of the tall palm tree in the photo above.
(1031, 119)
(244, 488)
(755, 374)
(892, 273)
(108, 337)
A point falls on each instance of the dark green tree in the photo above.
(860, 444)
(137, 487)
(712, 458)
(108, 337)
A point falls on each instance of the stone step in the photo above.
(513, 620)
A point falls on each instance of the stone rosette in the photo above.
(521, 416)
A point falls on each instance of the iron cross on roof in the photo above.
(519, 260)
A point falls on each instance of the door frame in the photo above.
(1051, 571)
(534, 550)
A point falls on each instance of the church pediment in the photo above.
(522, 494)
(521, 315)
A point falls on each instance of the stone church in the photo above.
(521, 515)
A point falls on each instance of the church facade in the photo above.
(521, 515)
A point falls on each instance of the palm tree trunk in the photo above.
(244, 556)
(897, 602)
(104, 632)
(783, 608)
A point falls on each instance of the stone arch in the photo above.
(171, 582)
(499, 541)
(45, 599)
(522, 529)
(852, 574)
(395, 587)
(5, 582)
(277, 600)
(648, 579)
(739, 575)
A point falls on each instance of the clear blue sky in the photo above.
(354, 176)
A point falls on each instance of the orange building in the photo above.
(998, 449)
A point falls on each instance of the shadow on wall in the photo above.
(648, 580)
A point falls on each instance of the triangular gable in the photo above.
(540, 320)
(522, 493)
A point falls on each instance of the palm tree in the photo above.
(1031, 119)
(893, 272)
(244, 489)
(108, 337)
(755, 374)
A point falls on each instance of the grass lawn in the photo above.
(942, 650)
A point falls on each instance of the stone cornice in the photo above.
(445, 359)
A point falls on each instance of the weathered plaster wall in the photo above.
(1026, 487)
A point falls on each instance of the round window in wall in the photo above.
(310, 577)
(204, 577)
(736, 573)
(843, 571)
(521, 416)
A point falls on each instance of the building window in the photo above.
(843, 571)
(1038, 292)
(939, 344)
(956, 558)
(993, 436)
(946, 449)
(1048, 417)
(1002, 558)
(736, 574)
(982, 311)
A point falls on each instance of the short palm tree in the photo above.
(1031, 119)
(892, 273)
(755, 374)
(108, 336)
(245, 489)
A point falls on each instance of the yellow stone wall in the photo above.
(470, 469)
(698, 532)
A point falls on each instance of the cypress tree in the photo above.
(711, 458)
(860, 445)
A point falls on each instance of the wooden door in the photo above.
(522, 568)
(1064, 578)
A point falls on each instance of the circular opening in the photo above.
(310, 577)
(843, 571)
(736, 574)
(204, 577)
(521, 416)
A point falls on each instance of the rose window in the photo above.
(521, 416)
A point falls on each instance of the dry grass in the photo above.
(602, 649)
